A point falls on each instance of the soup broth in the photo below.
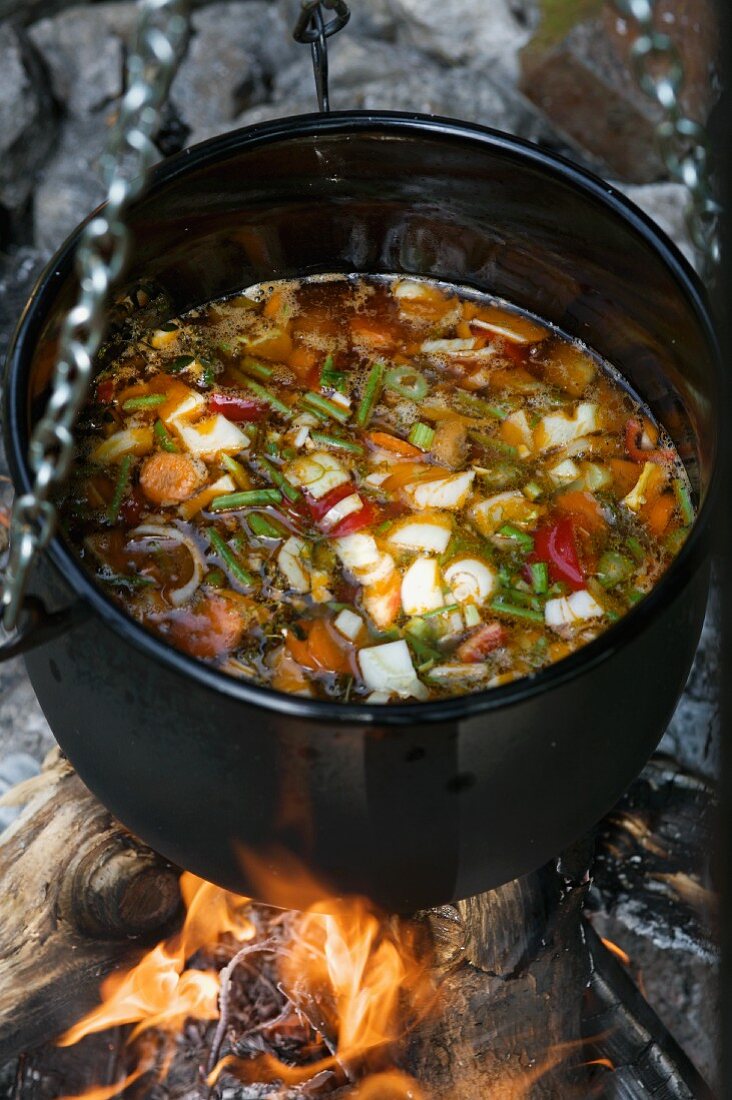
(374, 489)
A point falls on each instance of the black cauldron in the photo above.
(410, 804)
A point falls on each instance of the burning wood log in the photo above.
(79, 895)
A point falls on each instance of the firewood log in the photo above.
(79, 896)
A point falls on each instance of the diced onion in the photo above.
(182, 595)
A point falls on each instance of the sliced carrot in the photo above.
(625, 475)
(372, 332)
(273, 304)
(583, 507)
(215, 627)
(167, 477)
(392, 443)
(657, 514)
(321, 650)
(405, 473)
(302, 360)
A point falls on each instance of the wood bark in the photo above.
(79, 897)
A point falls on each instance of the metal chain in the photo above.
(100, 259)
(314, 28)
(684, 144)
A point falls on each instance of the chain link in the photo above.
(100, 259)
(683, 143)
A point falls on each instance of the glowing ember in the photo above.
(616, 951)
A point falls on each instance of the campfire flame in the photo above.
(159, 992)
(352, 977)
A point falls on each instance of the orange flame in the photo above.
(616, 951)
(159, 992)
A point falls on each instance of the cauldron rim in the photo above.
(400, 124)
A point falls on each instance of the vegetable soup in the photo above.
(373, 489)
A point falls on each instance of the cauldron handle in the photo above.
(38, 625)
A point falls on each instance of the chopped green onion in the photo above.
(178, 364)
(613, 616)
(164, 438)
(489, 442)
(278, 478)
(272, 400)
(384, 527)
(634, 595)
(263, 527)
(532, 490)
(614, 568)
(123, 480)
(472, 615)
(676, 540)
(683, 499)
(209, 375)
(539, 577)
(133, 581)
(476, 405)
(237, 471)
(331, 378)
(524, 541)
(149, 401)
(636, 548)
(446, 610)
(229, 558)
(315, 402)
(504, 607)
(216, 578)
(256, 368)
(421, 436)
(272, 447)
(407, 382)
(337, 441)
(247, 499)
(370, 395)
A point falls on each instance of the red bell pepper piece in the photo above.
(633, 434)
(555, 544)
(239, 408)
(105, 391)
(365, 517)
(321, 506)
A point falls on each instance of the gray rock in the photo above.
(27, 122)
(234, 52)
(461, 30)
(70, 185)
(84, 51)
(666, 203)
(370, 18)
(19, 269)
(23, 727)
(407, 81)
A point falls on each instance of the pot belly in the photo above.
(411, 817)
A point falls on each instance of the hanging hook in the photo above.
(312, 27)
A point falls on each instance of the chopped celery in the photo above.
(327, 440)
(278, 478)
(614, 568)
(421, 436)
(523, 540)
(683, 499)
(504, 606)
(123, 480)
(539, 577)
(407, 382)
(370, 394)
(272, 400)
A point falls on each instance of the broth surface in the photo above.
(369, 488)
